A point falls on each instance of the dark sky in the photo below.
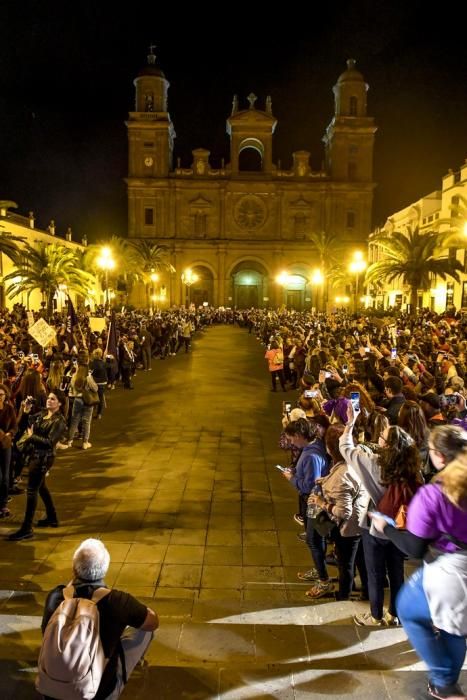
(66, 87)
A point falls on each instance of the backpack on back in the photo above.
(71, 659)
(395, 501)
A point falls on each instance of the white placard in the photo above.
(42, 332)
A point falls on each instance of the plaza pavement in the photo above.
(180, 484)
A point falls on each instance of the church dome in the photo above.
(150, 69)
(351, 74)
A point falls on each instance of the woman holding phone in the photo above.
(396, 463)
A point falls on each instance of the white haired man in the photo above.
(126, 626)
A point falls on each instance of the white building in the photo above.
(433, 212)
(24, 226)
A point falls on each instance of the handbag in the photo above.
(323, 524)
(22, 442)
(90, 398)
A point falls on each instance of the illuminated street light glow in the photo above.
(282, 278)
(317, 277)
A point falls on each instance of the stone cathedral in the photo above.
(238, 227)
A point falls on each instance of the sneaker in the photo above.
(4, 513)
(46, 522)
(20, 535)
(311, 575)
(367, 620)
(302, 536)
(86, 445)
(63, 445)
(391, 620)
(445, 691)
(320, 589)
(298, 519)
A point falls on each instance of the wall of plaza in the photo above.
(440, 210)
(24, 227)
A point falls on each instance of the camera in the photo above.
(30, 400)
(345, 369)
(286, 407)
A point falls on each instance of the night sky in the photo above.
(66, 87)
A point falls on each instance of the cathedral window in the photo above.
(351, 219)
(148, 216)
(200, 224)
(300, 225)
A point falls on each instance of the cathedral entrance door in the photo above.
(246, 296)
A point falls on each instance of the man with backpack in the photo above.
(93, 636)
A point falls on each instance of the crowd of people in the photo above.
(377, 446)
(50, 396)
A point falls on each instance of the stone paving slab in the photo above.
(180, 484)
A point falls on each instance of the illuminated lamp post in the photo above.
(106, 262)
(188, 278)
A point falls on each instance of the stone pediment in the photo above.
(301, 203)
(200, 202)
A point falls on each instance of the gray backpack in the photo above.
(71, 659)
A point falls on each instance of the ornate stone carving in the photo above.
(250, 212)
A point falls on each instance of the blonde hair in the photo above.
(453, 481)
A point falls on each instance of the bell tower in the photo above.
(349, 138)
(150, 129)
(251, 130)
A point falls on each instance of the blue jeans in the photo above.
(442, 652)
(317, 546)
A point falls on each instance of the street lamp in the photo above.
(357, 266)
(188, 278)
(106, 262)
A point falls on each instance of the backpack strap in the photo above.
(69, 591)
(100, 593)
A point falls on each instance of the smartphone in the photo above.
(355, 400)
(310, 394)
(367, 350)
(393, 353)
(286, 407)
(387, 518)
(448, 400)
(282, 469)
(35, 356)
(345, 369)
(327, 375)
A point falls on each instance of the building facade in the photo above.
(443, 210)
(236, 227)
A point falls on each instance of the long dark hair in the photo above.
(412, 419)
(400, 460)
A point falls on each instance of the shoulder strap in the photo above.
(454, 540)
(100, 593)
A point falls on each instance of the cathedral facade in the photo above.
(233, 231)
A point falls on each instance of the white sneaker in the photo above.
(86, 445)
(62, 445)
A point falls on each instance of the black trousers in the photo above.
(37, 486)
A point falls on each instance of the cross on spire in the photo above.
(252, 99)
(152, 55)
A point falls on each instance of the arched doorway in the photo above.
(294, 291)
(249, 285)
(202, 290)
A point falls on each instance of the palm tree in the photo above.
(9, 248)
(414, 257)
(325, 244)
(150, 258)
(46, 267)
